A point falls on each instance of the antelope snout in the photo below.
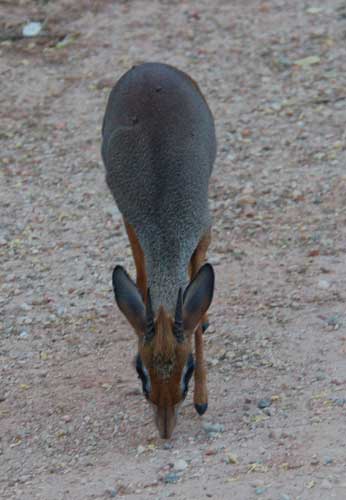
(165, 419)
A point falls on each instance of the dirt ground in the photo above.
(73, 422)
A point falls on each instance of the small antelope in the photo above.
(158, 148)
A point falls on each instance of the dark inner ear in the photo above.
(198, 296)
(129, 299)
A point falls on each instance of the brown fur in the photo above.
(201, 392)
(165, 359)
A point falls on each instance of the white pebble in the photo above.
(324, 284)
(25, 307)
(180, 465)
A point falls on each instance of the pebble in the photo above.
(111, 492)
(25, 307)
(260, 490)
(167, 446)
(213, 428)
(285, 497)
(232, 458)
(246, 200)
(86, 461)
(24, 334)
(297, 195)
(180, 465)
(32, 29)
(60, 311)
(171, 478)
(333, 321)
(264, 403)
(324, 284)
(326, 485)
(327, 460)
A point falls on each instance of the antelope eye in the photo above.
(143, 376)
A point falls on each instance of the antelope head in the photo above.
(165, 362)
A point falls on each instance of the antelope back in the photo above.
(158, 148)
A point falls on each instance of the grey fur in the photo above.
(158, 148)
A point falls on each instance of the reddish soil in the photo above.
(73, 422)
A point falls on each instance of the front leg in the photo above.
(200, 397)
(201, 391)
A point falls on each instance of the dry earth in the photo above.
(73, 422)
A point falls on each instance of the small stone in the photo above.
(326, 485)
(327, 460)
(32, 29)
(85, 461)
(25, 307)
(232, 459)
(246, 132)
(314, 460)
(140, 449)
(67, 418)
(104, 83)
(24, 334)
(264, 403)
(285, 497)
(260, 490)
(297, 195)
(213, 428)
(171, 478)
(180, 465)
(60, 311)
(246, 200)
(333, 321)
(210, 452)
(111, 493)
(167, 446)
(249, 211)
(324, 284)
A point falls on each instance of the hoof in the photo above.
(201, 409)
(205, 326)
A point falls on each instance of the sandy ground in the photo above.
(73, 422)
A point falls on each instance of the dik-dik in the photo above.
(158, 148)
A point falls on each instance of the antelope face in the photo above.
(165, 387)
(165, 362)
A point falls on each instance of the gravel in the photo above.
(171, 478)
(264, 403)
(213, 428)
(180, 465)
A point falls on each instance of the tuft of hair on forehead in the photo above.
(164, 348)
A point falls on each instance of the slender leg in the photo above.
(201, 392)
(138, 257)
(197, 260)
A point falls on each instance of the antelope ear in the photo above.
(129, 299)
(198, 296)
